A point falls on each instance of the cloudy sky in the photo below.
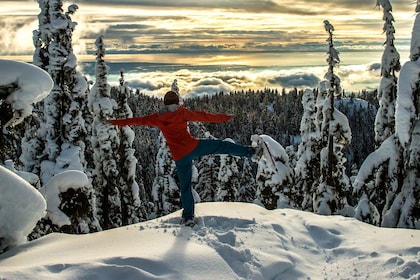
(256, 33)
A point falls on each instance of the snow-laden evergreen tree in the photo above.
(133, 199)
(74, 128)
(398, 157)
(64, 127)
(376, 175)
(71, 205)
(387, 91)
(105, 143)
(307, 169)
(57, 103)
(175, 88)
(247, 184)
(334, 186)
(275, 189)
(42, 36)
(32, 146)
(64, 124)
(165, 190)
(405, 209)
(375, 188)
(229, 177)
(208, 167)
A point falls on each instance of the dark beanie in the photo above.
(171, 97)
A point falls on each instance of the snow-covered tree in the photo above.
(376, 178)
(71, 205)
(42, 36)
(61, 122)
(275, 189)
(32, 147)
(208, 180)
(229, 177)
(22, 85)
(376, 188)
(105, 143)
(56, 104)
(133, 200)
(394, 192)
(175, 88)
(208, 167)
(247, 184)
(387, 91)
(64, 127)
(405, 209)
(165, 190)
(307, 169)
(331, 193)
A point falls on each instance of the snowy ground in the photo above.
(231, 241)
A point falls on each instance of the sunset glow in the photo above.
(215, 32)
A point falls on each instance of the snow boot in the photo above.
(188, 222)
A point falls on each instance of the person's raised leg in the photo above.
(217, 146)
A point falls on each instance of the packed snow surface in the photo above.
(230, 241)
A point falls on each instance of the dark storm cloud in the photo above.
(296, 80)
(374, 66)
(299, 7)
(256, 6)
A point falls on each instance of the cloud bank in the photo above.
(210, 27)
(200, 81)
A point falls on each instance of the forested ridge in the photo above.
(277, 113)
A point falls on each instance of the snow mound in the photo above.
(33, 87)
(60, 183)
(230, 241)
(21, 208)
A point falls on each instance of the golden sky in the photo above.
(219, 32)
(211, 31)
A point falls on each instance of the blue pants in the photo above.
(184, 167)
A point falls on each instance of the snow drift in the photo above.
(231, 241)
(18, 219)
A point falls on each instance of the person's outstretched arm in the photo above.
(201, 116)
(149, 120)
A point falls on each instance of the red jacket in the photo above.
(174, 127)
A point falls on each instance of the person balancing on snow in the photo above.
(172, 120)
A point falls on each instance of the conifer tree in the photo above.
(64, 124)
(175, 88)
(208, 168)
(385, 117)
(42, 36)
(397, 157)
(133, 200)
(404, 211)
(229, 177)
(332, 191)
(307, 170)
(247, 184)
(33, 146)
(373, 189)
(105, 143)
(275, 189)
(165, 190)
